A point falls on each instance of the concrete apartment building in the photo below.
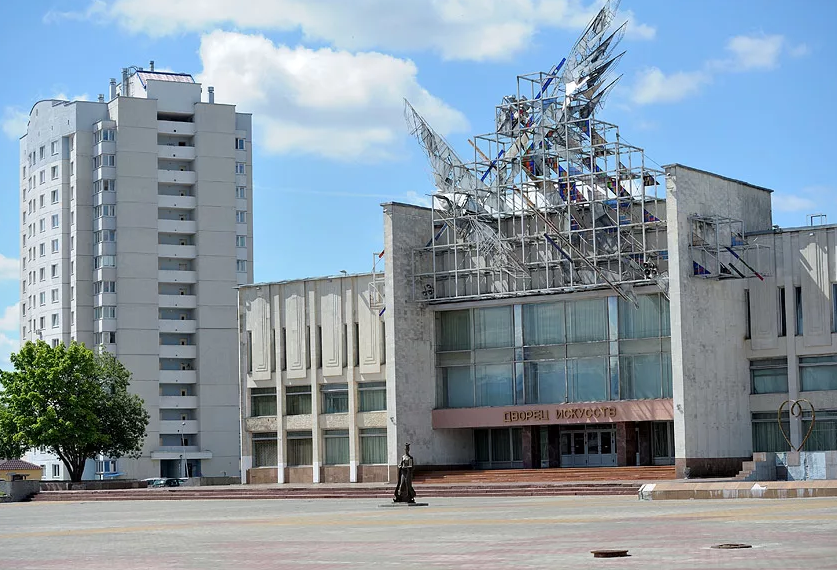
(136, 226)
(691, 375)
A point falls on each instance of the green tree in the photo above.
(73, 402)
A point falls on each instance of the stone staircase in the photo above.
(761, 468)
(490, 483)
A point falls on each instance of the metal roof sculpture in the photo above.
(553, 199)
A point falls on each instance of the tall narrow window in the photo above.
(798, 291)
(783, 324)
(747, 313)
(834, 307)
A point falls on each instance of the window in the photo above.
(54, 343)
(104, 235)
(336, 446)
(833, 305)
(42, 201)
(262, 402)
(104, 287)
(42, 298)
(769, 376)
(818, 373)
(55, 295)
(372, 396)
(54, 147)
(106, 312)
(297, 400)
(241, 192)
(42, 152)
(241, 216)
(42, 225)
(104, 211)
(767, 435)
(106, 337)
(42, 177)
(72, 168)
(42, 323)
(54, 196)
(56, 470)
(783, 324)
(798, 296)
(265, 449)
(54, 172)
(240, 241)
(300, 448)
(54, 246)
(454, 330)
(239, 144)
(104, 185)
(54, 320)
(55, 220)
(54, 270)
(241, 265)
(335, 398)
(42, 274)
(104, 160)
(72, 243)
(373, 446)
(104, 135)
(42, 249)
(239, 168)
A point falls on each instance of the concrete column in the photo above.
(626, 444)
(790, 321)
(531, 447)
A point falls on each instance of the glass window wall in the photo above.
(373, 446)
(372, 396)
(818, 373)
(769, 376)
(297, 400)
(336, 447)
(265, 449)
(300, 448)
(262, 402)
(335, 398)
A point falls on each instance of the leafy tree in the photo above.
(73, 402)
(9, 449)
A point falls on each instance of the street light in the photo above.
(183, 445)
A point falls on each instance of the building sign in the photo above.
(573, 413)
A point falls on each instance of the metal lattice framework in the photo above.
(553, 200)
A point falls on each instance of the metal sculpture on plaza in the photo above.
(404, 492)
(553, 200)
(795, 411)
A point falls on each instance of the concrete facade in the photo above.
(170, 175)
(692, 375)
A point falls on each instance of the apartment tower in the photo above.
(136, 227)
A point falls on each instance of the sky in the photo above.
(745, 89)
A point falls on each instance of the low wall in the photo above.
(16, 491)
(806, 465)
(93, 485)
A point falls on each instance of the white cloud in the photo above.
(755, 52)
(326, 102)
(637, 30)
(9, 268)
(800, 50)
(7, 346)
(412, 197)
(61, 96)
(793, 203)
(15, 122)
(10, 318)
(456, 29)
(654, 86)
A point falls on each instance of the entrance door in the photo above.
(663, 443)
(588, 447)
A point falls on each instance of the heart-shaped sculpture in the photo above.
(795, 411)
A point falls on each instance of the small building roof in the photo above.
(144, 76)
(18, 465)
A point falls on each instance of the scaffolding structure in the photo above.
(553, 200)
(720, 250)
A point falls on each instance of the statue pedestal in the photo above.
(402, 505)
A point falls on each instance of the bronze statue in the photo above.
(404, 492)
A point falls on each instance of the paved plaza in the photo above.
(507, 533)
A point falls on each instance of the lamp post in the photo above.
(183, 445)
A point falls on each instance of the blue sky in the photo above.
(745, 89)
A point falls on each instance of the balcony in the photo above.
(178, 402)
(176, 176)
(177, 301)
(178, 377)
(175, 128)
(178, 351)
(178, 251)
(177, 326)
(181, 202)
(174, 276)
(175, 452)
(168, 427)
(177, 226)
(171, 152)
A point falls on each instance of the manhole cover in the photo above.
(731, 546)
(611, 553)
